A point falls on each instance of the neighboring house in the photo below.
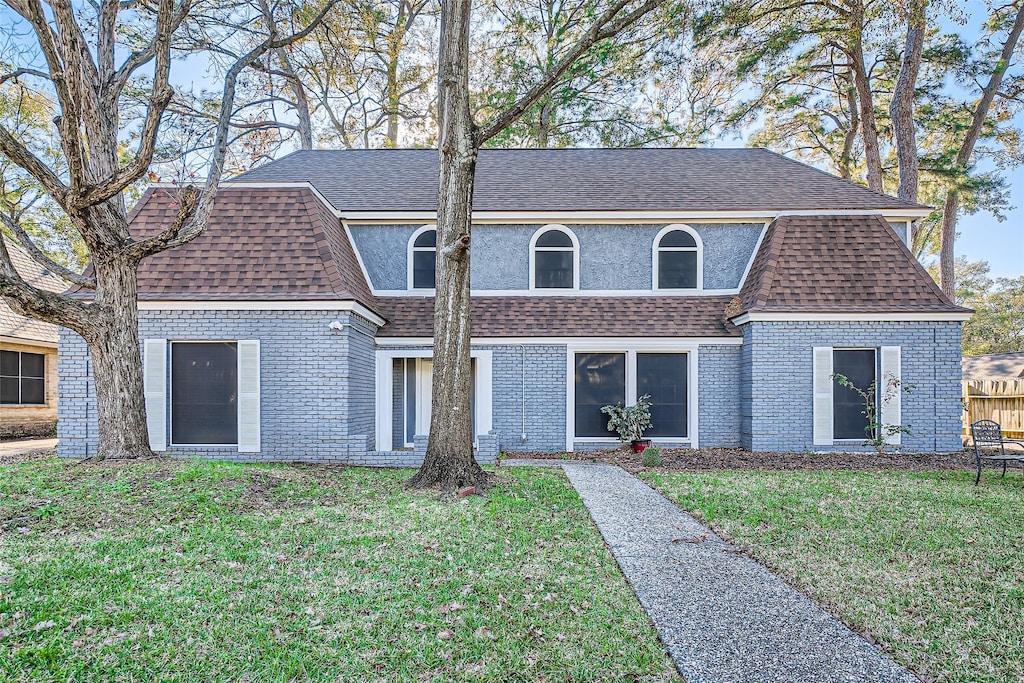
(993, 389)
(993, 366)
(28, 359)
(727, 284)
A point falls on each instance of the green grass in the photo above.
(926, 563)
(187, 571)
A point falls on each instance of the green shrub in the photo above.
(651, 457)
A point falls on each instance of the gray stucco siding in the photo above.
(777, 372)
(612, 257)
(383, 250)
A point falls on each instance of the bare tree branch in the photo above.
(27, 300)
(195, 205)
(42, 259)
(606, 26)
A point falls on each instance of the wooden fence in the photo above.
(1001, 400)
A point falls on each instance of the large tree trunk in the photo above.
(947, 280)
(901, 109)
(117, 363)
(866, 103)
(846, 157)
(304, 121)
(449, 461)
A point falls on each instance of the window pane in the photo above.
(8, 389)
(33, 391)
(678, 238)
(677, 269)
(554, 270)
(600, 381)
(9, 363)
(427, 239)
(663, 376)
(849, 421)
(204, 392)
(554, 238)
(423, 269)
(33, 365)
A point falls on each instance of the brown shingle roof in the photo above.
(14, 325)
(274, 243)
(568, 316)
(850, 264)
(644, 179)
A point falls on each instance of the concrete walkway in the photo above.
(723, 617)
(10, 448)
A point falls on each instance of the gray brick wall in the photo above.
(318, 401)
(718, 388)
(545, 397)
(776, 368)
(317, 393)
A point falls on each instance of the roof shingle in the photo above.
(19, 327)
(277, 243)
(851, 264)
(642, 179)
(568, 316)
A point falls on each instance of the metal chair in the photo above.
(988, 434)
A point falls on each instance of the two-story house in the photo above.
(729, 285)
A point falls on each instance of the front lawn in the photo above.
(925, 563)
(195, 571)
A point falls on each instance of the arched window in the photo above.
(422, 257)
(554, 259)
(678, 259)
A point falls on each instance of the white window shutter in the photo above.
(154, 381)
(891, 412)
(249, 396)
(823, 425)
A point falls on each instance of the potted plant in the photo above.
(631, 422)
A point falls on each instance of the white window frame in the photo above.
(575, 257)
(410, 250)
(170, 394)
(656, 256)
(878, 405)
(630, 349)
(384, 362)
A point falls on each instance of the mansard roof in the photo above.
(832, 264)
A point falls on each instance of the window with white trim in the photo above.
(554, 259)
(605, 378)
(422, 258)
(838, 411)
(204, 393)
(678, 259)
(22, 378)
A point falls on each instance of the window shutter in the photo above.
(154, 380)
(892, 409)
(249, 396)
(822, 395)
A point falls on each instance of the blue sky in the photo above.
(980, 236)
